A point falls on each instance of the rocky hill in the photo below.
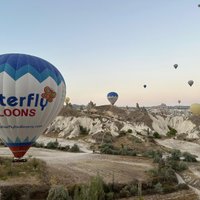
(97, 121)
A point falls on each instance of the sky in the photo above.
(101, 46)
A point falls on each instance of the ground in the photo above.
(70, 168)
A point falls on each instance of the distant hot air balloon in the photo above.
(190, 82)
(195, 109)
(144, 86)
(112, 97)
(32, 92)
(179, 101)
(175, 66)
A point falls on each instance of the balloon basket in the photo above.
(19, 160)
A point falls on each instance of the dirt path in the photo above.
(79, 167)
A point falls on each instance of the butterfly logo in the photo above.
(49, 94)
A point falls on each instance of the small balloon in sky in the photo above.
(175, 66)
(32, 93)
(190, 82)
(179, 101)
(112, 97)
(144, 86)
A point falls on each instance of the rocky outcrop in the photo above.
(113, 120)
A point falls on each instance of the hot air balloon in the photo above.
(144, 86)
(195, 109)
(175, 66)
(179, 101)
(190, 82)
(32, 92)
(112, 97)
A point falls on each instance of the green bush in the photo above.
(172, 132)
(65, 148)
(129, 131)
(124, 192)
(96, 190)
(163, 175)
(158, 187)
(74, 148)
(156, 135)
(58, 192)
(189, 157)
(93, 191)
(110, 196)
(108, 148)
(153, 154)
(181, 166)
(52, 145)
(175, 154)
(39, 145)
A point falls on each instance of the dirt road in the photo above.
(79, 167)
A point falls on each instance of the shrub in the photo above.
(124, 192)
(96, 191)
(83, 131)
(58, 192)
(65, 148)
(133, 190)
(153, 154)
(156, 135)
(38, 145)
(158, 187)
(106, 148)
(110, 196)
(163, 175)
(74, 148)
(175, 154)
(129, 131)
(189, 157)
(52, 145)
(172, 132)
(181, 166)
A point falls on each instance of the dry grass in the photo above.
(33, 168)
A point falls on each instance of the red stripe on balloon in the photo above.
(19, 151)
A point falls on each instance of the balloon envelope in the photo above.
(144, 86)
(179, 101)
(112, 97)
(195, 109)
(175, 66)
(190, 82)
(32, 92)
